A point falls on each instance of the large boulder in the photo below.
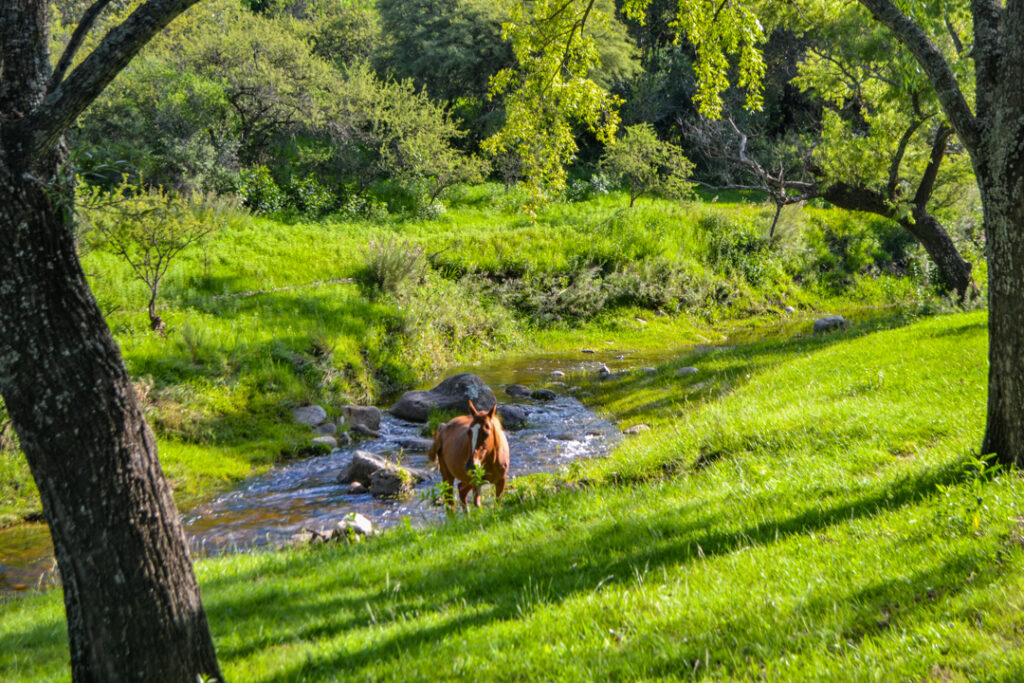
(361, 466)
(367, 416)
(454, 393)
(391, 482)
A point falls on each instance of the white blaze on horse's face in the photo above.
(475, 429)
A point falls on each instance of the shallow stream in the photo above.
(304, 494)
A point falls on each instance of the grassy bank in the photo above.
(804, 508)
(271, 314)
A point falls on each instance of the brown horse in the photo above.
(468, 442)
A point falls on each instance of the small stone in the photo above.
(517, 390)
(361, 466)
(564, 436)
(789, 309)
(641, 321)
(363, 430)
(309, 415)
(343, 439)
(687, 371)
(356, 488)
(326, 429)
(357, 523)
(557, 373)
(647, 371)
(585, 394)
(603, 370)
(415, 444)
(587, 351)
(636, 429)
(328, 441)
(830, 323)
(543, 395)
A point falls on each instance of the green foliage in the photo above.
(149, 227)
(644, 164)
(718, 31)
(259, 191)
(394, 266)
(548, 93)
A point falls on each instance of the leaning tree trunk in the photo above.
(954, 270)
(132, 601)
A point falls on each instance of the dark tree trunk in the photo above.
(132, 601)
(953, 268)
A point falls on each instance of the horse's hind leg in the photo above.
(447, 493)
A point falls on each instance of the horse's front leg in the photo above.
(476, 497)
(463, 492)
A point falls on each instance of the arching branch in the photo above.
(84, 26)
(72, 95)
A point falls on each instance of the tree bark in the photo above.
(132, 601)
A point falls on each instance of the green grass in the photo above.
(266, 315)
(804, 508)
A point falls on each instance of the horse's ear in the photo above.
(490, 413)
(472, 408)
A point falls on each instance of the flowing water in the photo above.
(304, 494)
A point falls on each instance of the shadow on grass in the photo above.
(611, 548)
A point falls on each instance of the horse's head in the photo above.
(482, 431)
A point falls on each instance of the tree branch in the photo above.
(84, 26)
(897, 160)
(931, 171)
(934, 65)
(70, 98)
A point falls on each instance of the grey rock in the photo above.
(543, 395)
(687, 371)
(356, 488)
(368, 416)
(587, 351)
(604, 370)
(556, 384)
(326, 429)
(363, 430)
(309, 415)
(636, 429)
(357, 523)
(517, 390)
(343, 438)
(556, 373)
(390, 483)
(830, 323)
(647, 370)
(361, 466)
(453, 393)
(512, 417)
(789, 309)
(328, 441)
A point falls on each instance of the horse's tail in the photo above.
(435, 448)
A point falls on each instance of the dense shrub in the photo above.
(259, 191)
(394, 266)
